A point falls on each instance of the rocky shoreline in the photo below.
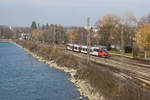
(83, 86)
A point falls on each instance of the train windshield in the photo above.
(104, 48)
(105, 51)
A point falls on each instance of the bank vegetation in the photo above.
(100, 77)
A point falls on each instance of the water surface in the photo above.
(24, 78)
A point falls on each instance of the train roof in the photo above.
(84, 46)
(77, 45)
(92, 47)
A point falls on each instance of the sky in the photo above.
(66, 12)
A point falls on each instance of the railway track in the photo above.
(131, 61)
(132, 70)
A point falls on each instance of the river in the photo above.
(24, 78)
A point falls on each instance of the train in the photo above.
(100, 51)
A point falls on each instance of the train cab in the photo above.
(103, 53)
(96, 51)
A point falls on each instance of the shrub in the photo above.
(128, 49)
(54, 53)
(30, 45)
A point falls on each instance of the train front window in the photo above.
(104, 48)
(104, 51)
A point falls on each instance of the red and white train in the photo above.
(94, 50)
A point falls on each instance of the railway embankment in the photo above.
(95, 81)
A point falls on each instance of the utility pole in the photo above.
(88, 40)
(122, 50)
(71, 37)
(122, 41)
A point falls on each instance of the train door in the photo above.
(95, 52)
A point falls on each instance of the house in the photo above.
(24, 36)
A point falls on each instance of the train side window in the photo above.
(96, 50)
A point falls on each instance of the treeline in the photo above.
(6, 33)
(111, 30)
(57, 33)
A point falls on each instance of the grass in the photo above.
(118, 52)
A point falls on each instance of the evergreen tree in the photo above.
(33, 25)
(47, 26)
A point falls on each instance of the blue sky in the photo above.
(66, 12)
